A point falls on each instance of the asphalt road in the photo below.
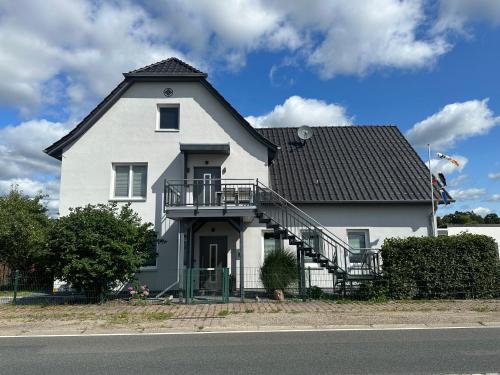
(342, 352)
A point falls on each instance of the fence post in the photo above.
(16, 286)
(225, 285)
(309, 278)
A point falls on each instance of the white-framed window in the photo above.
(312, 237)
(151, 262)
(129, 181)
(270, 243)
(168, 117)
(358, 240)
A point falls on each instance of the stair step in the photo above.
(264, 220)
(273, 226)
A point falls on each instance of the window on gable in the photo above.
(169, 118)
(130, 181)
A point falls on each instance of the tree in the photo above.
(98, 246)
(23, 231)
(492, 219)
(467, 217)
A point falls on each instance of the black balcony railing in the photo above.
(209, 193)
(287, 220)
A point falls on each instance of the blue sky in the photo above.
(429, 67)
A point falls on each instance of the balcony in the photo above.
(209, 197)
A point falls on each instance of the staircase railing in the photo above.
(325, 247)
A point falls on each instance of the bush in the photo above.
(279, 270)
(463, 266)
(315, 292)
(94, 248)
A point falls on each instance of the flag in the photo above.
(439, 185)
(444, 196)
(442, 179)
(436, 183)
(449, 158)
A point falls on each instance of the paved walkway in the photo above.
(121, 316)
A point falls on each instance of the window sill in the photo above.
(124, 199)
(167, 130)
(148, 269)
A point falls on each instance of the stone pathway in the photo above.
(121, 316)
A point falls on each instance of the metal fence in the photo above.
(217, 285)
(39, 288)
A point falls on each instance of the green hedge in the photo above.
(462, 266)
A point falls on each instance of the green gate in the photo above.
(207, 285)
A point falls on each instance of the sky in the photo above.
(429, 67)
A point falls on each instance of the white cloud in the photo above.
(454, 15)
(84, 45)
(481, 211)
(494, 198)
(446, 167)
(75, 50)
(458, 180)
(363, 35)
(297, 111)
(468, 194)
(24, 164)
(50, 189)
(452, 123)
(21, 148)
(494, 176)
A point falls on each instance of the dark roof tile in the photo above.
(170, 66)
(347, 164)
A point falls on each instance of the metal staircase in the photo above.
(314, 240)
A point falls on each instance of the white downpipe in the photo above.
(433, 219)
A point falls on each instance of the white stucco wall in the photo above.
(127, 133)
(381, 221)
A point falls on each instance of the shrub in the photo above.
(463, 266)
(315, 292)
(96, 247)
(279, 270)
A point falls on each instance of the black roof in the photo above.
(170, 66)
(169, 70)
(347, 164)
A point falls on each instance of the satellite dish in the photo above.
(305, 132)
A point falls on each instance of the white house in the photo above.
(221, 193)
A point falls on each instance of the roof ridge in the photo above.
(185, 64)
(166, 61)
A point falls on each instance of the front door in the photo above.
(213, 257)
(207, 185)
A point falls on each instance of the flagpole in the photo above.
(432, 194)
